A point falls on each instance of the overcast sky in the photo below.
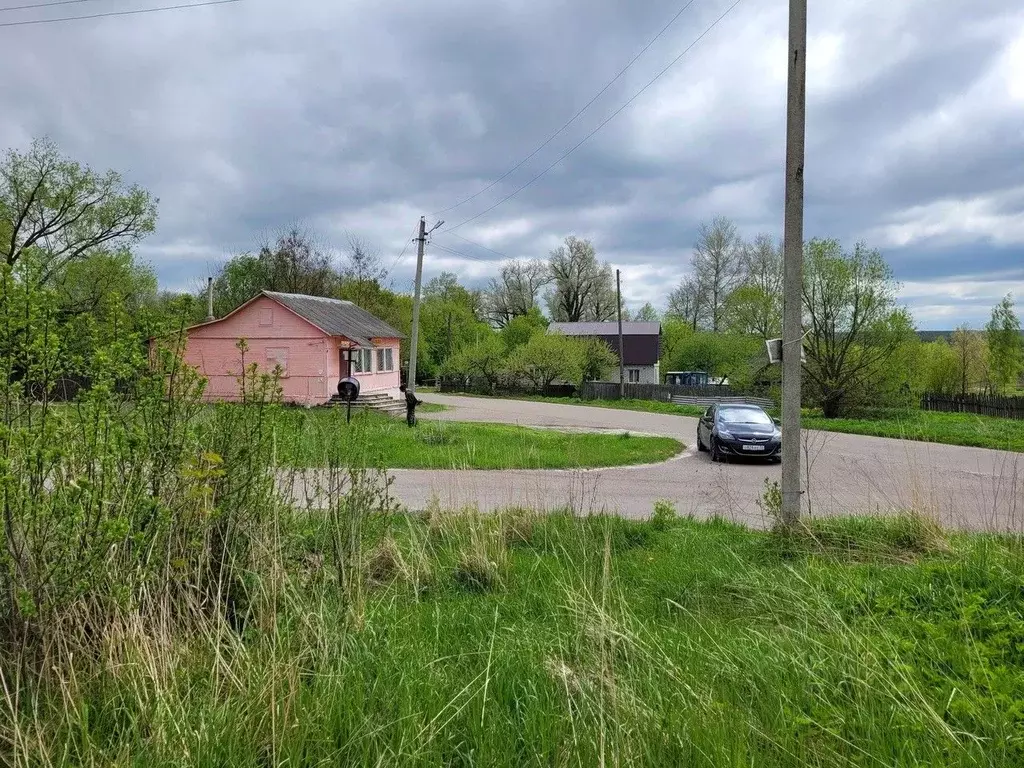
(360, 115)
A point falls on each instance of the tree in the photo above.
(717, 267)
(522, 328)
(596, 359)
(546, 358)
(484, 358)
(515, 291)
(855, 326)
(647, 314)
(1005, 345)
(293, 263)
(362, 269)
(684, 303)
(582, 288)
(940, 363)
(755, 305)
(970, 353)
(448, 320)
(54, 212)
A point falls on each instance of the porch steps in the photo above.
(381, 402)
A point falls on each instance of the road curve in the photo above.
(961, 487)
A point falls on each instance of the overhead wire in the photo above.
(460, 254)
(572, 119)
(474, 242)
(43, 5)
(607, 120)
(114, 13)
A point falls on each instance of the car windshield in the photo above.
(744, 416)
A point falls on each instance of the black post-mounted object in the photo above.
(348, 390)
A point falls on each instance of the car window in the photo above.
(745, 416)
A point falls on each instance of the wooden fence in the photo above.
(985, 405)
(601, 390)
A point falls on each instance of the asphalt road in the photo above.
(849, 474)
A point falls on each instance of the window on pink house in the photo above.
(267, 316)
(362, 361)
(385, 359)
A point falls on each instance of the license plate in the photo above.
(753, 447)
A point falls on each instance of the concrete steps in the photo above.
(381, 402)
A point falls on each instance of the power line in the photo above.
(43, 5)
(460, 254)
(112, 13)
(400, 255)
(474, 242)
(602, 125)
(572, 119)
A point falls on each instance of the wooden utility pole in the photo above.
(421, 242)
(622, 350)
(793, 255)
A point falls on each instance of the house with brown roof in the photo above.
(641, 343)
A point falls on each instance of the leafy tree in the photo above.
(515, 291)
(733, 356)
(684, 303)
(1005, 345)
(941, 369)
(647, 314)
(55, 212)
(522, 328)
(971, 354)
(546, 358)
(484, 358)
(717, 268)
(755, 305)
(448, 317)
(582, 288)
(855, 326)
(362, 270)
(596, 359)
(293, 263)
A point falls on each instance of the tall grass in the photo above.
(165, 601)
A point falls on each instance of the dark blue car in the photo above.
(727, 430)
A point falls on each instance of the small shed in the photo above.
(315, 340)
(641, 342)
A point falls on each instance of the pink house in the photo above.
(310, 337)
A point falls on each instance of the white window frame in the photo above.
(630, 373)
(385, 359)
(362, 361)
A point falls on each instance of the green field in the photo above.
(932, 426)
(320, 437)
(515, 640)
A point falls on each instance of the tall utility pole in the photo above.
(421, 243)
(793, 256)
(622, 351)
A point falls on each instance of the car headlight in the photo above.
(777, 433)
(725, 434)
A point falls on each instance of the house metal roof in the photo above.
(337, 317)
(606, 329)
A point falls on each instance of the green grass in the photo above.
(932, 426)
(646, 406)
(514, 640)
(320, 437)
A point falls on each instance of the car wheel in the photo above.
(776, 459)
(700, 445)
(716, 455)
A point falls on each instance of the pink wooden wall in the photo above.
(272, 331)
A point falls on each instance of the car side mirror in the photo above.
(778, 422)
